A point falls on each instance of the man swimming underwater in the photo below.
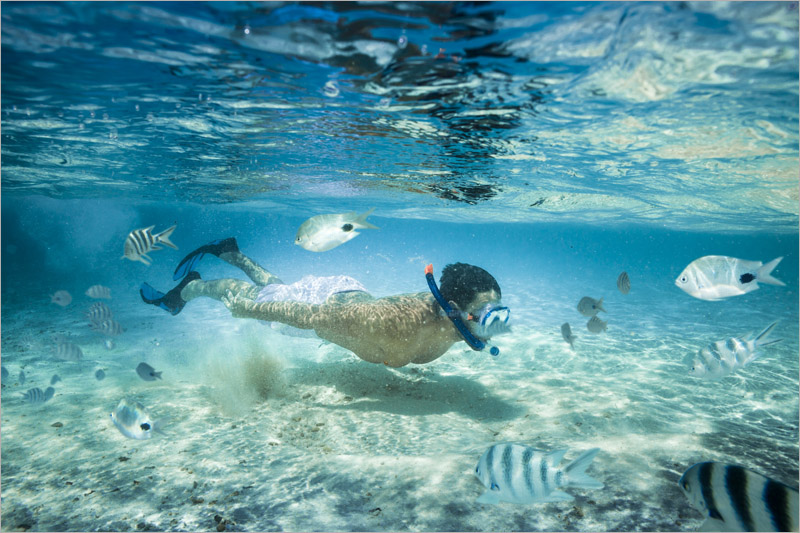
(394, 330)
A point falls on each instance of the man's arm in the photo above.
(297, 314)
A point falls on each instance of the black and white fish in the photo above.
(55, 379)
(62, 298)
(595, 325)
(589, 306)
(67, 351)
(566, 332)
(141, 242)
(518, 474)
(37, 395)
(624, 283)
(323, 232)
(714, 277)
(98, 291)
(722, 358)
(100, 375)
(733, 498)
(108, 327)
(133, 420)
(147, 372)
(99, 312)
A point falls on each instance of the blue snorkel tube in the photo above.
(455, 316)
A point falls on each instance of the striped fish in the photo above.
(36, 395)
(99, 312)
(109, 327)
(722, 358)
(67, 351)
(733, 498)
(98, 291)
(140, 242)
(566, 332)
(518, 474)
(624, 283)
(595, 325)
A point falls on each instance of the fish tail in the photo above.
(600, 305)
(761, 338)
(763, 273)
(157, 374)
(361, 221)
(158, 426)
(163, 237)
(575, 472)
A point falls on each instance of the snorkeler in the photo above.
(394, 330)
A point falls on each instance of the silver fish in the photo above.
(55, 379)
(99, 312)
(733, 498)
(110, 327)
(67, 351)
(714, 277)
(624, 283)
(141, 242)
(147, 372)
(100, 375)
(518, 474)
(566, 332)
(722, 358)
(62, 298)
(132, 420)
(589, 306)
(98, 291)
(595, 325)
(324, 232)
(36, 395)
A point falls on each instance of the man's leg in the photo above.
(253, 270)
(217, 288)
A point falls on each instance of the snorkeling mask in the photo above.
(492, 320)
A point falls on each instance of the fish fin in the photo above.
(557, 496)
(158, 425)
(713, 524)
(761, 338)
(600, 305)
(157, 374)
(144, 258)
(163, 237)
(361, 221)
(763, 275)
(554, 457)
(490, 497)
(575, 472)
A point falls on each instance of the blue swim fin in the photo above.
(171, 301)
(217, 247)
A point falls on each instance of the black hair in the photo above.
(460, 283)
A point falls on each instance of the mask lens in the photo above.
(490, 315)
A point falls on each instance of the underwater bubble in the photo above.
(330, 89)
(200, 97)
(247, 30)
(137, 107)
(402, 42)
(149, 117)
(105, 116)
(91, 114)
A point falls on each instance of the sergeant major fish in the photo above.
(566, 332)
(36, 395)
(133, 420)
(147, 372)
(98, 291)
(323, 232)
(595, 325)
(714, 277)
(140, 242)
(518, 474)
(589, 306)
(67, 351)
(99, 312)
(624, 283)
(722, 358)
(109, 327)
(733, 498)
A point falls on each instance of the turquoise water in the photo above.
(554, 145)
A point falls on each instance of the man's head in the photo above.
(468, 286)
